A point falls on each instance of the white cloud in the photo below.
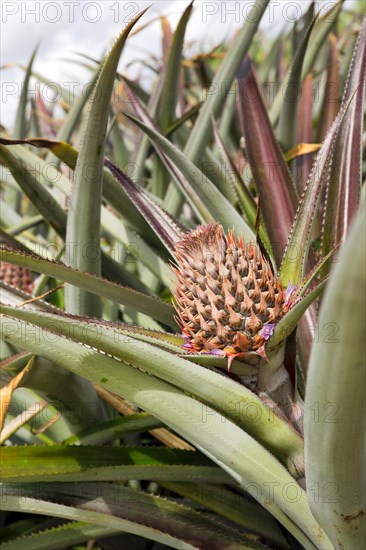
(64, 27)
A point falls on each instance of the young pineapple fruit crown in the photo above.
(227, 298)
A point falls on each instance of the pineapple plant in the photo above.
(183, 348)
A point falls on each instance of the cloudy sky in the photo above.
(65, 27)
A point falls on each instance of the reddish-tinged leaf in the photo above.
(344, 185)
(271, 174)
(164, 226)
(305, 132)
(45, 117)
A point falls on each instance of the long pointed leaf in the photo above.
(169, 96)
(344, 185)
(322, 28)
(83, 220)
(219, 207)
(298, 244)
(151, 516)
(166, 229)
(66, 535)
(325, 24)
(288, 115)
(304, 163)
(20, 129)
(45, 203)
(101, 287)
(114, 429)
(288, 324)
(221, 393)
(331, 99)
(235, 451)
(23, 164)
(271, 174)
(127, 197)
(224, 77)
(335, 413)
(241, 510)
(73, 116)
(193, 197)
(246, 200)
(68, 463)
(169, 93)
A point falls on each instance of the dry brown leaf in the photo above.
(302, 149)
(161, 434)
(7, 391)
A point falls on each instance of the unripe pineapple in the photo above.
(17, 276)
(227, 298)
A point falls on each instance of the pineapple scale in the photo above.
(226, 292)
